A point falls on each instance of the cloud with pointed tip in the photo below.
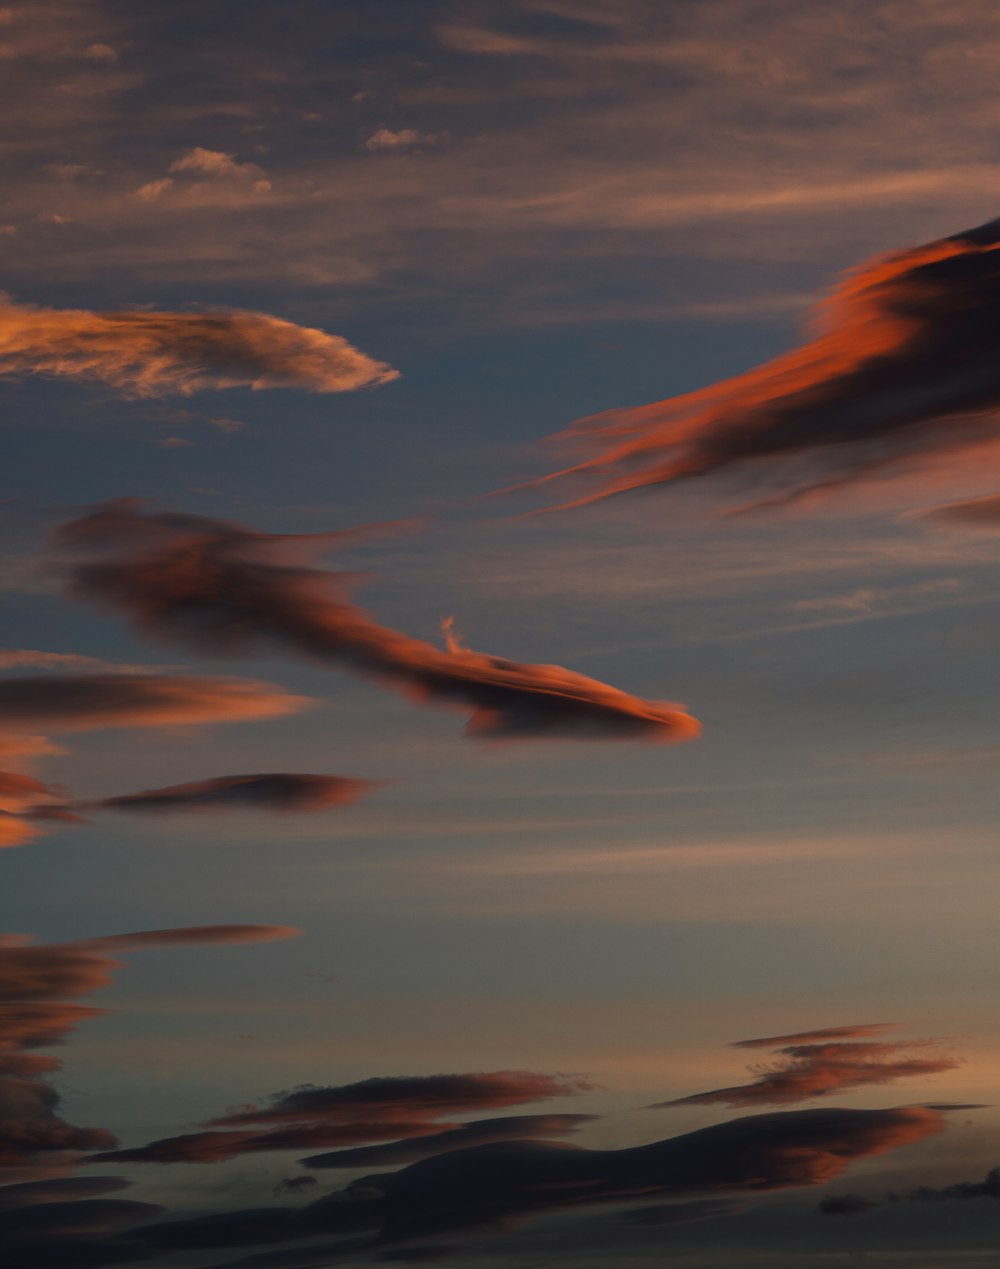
(143, 353)
(284, 792)
(224, 589)
(902, 362)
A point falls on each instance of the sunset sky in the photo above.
(499, 538)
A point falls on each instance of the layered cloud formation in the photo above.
(488, 1186)
(93, 702)
(148, 354)
(221, 589)
(902, 362)
(39, 985)
(388, 1109)
(821, 1064)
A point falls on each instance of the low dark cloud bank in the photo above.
(902, 363)
(491, 1186)
(960, 1191)
(222, 589)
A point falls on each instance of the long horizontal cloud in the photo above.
(386, 1109)
(39, 985)
(221, 588)
(144, 353)
(286, 792)
(486, 1186)
(91, 702)
(804, 1071)
(902, 362)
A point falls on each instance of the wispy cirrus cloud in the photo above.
(222, 588)
(147, 354)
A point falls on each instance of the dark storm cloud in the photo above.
(825, 1068)
(221, 589)
(902, 362)
(286, 792)
(384, 1109)
(144, 353)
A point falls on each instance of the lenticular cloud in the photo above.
(221, 588)
(150, 354)
(902, 362)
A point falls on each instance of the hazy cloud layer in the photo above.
(144, 353)
(825, 1068)
(222, 589)
(901, 363)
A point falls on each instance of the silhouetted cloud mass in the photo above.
(286, 792)
(902, 362)
(824, 1068)
(221, 589)
(145, 353)
(491, 1185)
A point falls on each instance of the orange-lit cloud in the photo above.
(826, 1065)
(222, 589)
(902, 362)
(147, 354)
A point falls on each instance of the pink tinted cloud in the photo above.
(823, 1064)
